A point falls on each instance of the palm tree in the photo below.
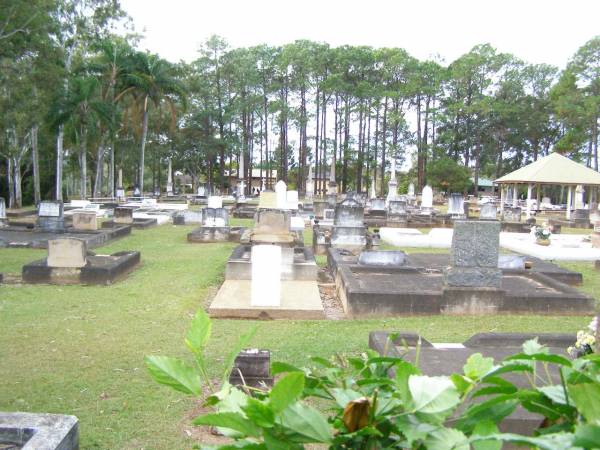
(83, 109)
(151, 80)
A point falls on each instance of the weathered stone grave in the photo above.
(85, 220)
(3, 217)
(68, 262)
(397, 214)
(252, 367)
(488, 211)
(123, 215)
(456, 206)
(215, 227)
(512, 214)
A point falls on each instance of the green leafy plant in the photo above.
(382, 402)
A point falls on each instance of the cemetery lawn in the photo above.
(79, 349)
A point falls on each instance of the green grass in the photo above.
(79, 349)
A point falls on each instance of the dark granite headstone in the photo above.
(474, 255)
(252, 367)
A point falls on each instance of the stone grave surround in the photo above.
(512, 214)
(51, 216)
(444, 359)
(474, 255)
(39, 431)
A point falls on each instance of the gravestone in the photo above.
(427, 198)
(581, 215)
(377, 207)
(474, 255)
(215, 201)
(349, 216)
(120, 194)
(272, 221)
(329, 214)
(310, 184)
(267, 200)
(292, 200)
(123, 215)
(266, 275)
(3, 218)
(411, 190)
(512, 214)
(149, 203)
(397, 208)
(85, 220)
(487, 212)
(319, 207)
(214, 217)
(66, 253)
(456, 205)
(281, 193)
(137, 192)
(252, 367)
(50, 216)
(201, 191)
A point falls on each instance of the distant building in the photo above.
(485, 186)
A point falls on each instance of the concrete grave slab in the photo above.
(299, 300)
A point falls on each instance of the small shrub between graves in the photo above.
(363, 407)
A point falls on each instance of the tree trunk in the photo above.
(317, 131)
(383, 143)
(59, 163)
(99, 170)
(83, 166)
(143, 147)
(37, 197)
(359, 161)
(18, 202)
(376, 143)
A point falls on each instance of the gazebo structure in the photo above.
(556, 170)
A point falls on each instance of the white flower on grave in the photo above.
(593, 326)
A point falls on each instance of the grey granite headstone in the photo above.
(397, 207)
(384, 258)
(474, 255)
(50, 216)
(378, 204)
(488, 212)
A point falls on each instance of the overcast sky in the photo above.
(537, 31)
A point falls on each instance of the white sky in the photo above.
(538, 31)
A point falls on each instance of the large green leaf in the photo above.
(447, 439)
(286, 391)
(555, 441)
(231, 420)
(477, 366)
(586, 397)
(307, 423)
(199, 332)
(174, 373)
(344, 396)
(532, 347)
(556, 393)
(486, 428)
(556, 359)
(403, 372)
(432, 395)
(259, 412)
(587, 436)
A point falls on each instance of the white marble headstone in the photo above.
(411, 189)
(215, 201)
(281, 192)
(292, 199)
(427, 197)
(266, 275)
(49, 209)
(2, 209)
(579, 193)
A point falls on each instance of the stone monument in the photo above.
(456, 206)
(85, 220)
(427, 199)
(488, 212)
(123, 215)
(392, 184)
(281, 192)
(474, 255)
(310, 184)
(50, 216)
(66, 253)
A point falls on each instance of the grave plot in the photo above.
(50, 224)
(125, 215)
(68, 262)
(474, 279)
(437, 359)
(348, 231)
(214, 220)
(271, 275)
